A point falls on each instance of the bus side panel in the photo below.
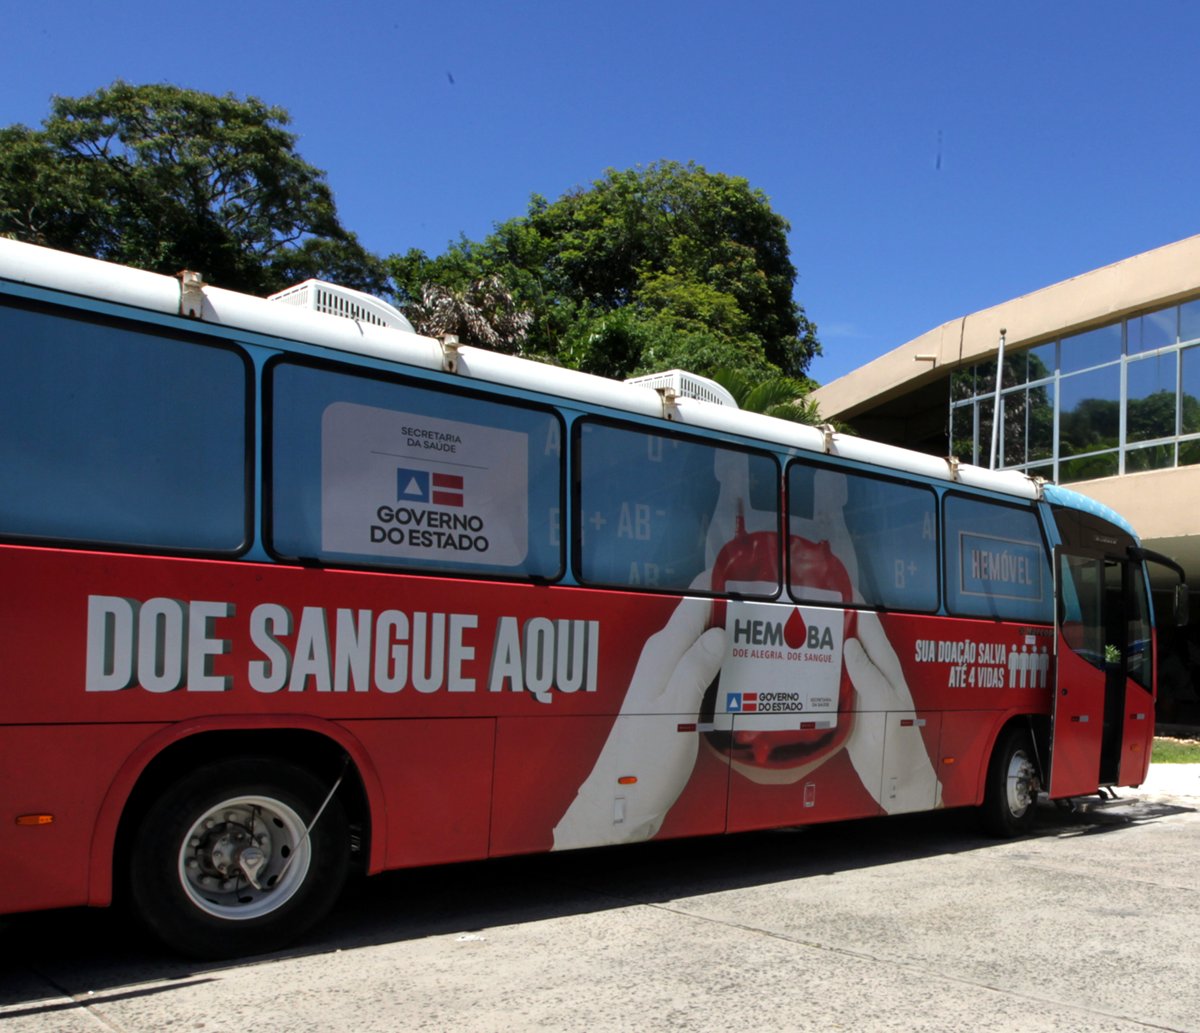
(542, 762)
(64, 771)
(701, 807)
(963, 755)
(953, 663)
(437, 779)
(832, 790)
(910, 762)
(1137, 735)
(1078, 728)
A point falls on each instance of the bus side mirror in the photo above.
(1142, 555)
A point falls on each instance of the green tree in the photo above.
(782, 397)
(673, 323)
(165, 178)
(642, 267)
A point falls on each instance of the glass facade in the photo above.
(1119, 398)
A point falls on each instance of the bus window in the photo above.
(882, 532)
(657, 510)
(110, 435)
(1105, 614)
(1139, 651)
(1082, 605)
(374, 472)
(995, 563)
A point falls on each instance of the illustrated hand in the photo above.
(878, 680)
(676, 666)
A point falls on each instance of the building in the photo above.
(1100, 389)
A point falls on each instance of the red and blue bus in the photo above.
(289, 594)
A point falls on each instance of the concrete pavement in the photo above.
(1169, 780)
(910, 923)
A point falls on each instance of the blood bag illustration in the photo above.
(783, 701)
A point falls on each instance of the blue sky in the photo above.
(933, 158)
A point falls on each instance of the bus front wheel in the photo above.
(1010, 797)
(228, 860)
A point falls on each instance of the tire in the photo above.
(1010, 797)
(206, 842)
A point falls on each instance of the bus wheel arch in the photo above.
(1012, 783)
(202, 799)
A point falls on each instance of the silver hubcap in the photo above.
(244, 857)
(1020, 783)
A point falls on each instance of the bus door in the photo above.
(1102, 720)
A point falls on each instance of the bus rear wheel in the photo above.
(1010, 797)
(228, 862)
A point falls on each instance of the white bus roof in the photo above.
(104, 281)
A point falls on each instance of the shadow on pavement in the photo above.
(106, 951)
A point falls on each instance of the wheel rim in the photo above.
(244, 857)
(1019, 783)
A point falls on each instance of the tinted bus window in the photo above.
(112, 435)
(862, 539)
(374, 472)
(996, 563)
(658, 510)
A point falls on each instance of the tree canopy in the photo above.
(647, 268)
(166, 178)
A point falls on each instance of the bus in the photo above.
(291, 591)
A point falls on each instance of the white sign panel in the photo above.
(415, 487)
(783, 664)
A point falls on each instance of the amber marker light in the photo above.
(627, 780)
(35, 819)
(949, 760)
